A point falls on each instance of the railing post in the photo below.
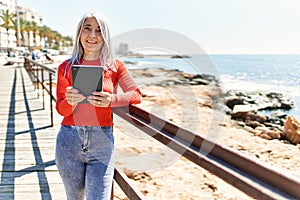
(51, 106)
(37, 80)
(43, 93)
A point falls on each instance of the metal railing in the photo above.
(40, 75)
(248, 175)
(241, 171)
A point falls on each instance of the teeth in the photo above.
(91, 42)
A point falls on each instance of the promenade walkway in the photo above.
(27, 141)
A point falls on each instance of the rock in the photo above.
(273, 134)
(265, 136)
(247, 116)
(240, 123)
(180, 56)
(292, 130)
(263, 100)
(245, 105)
(253, 124)
(256, 117)
(267, 133)
(239, 116)
(278, 114)
(234, 101)
(243, 108)
(274, 120)
(249, 129)
(287, 103)
(199, 81)
(274, 126)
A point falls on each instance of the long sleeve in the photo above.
(131, 93)
(63, 81)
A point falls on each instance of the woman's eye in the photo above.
(89, 30)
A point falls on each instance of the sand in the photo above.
(161, 173)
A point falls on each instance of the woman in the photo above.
(85, 141)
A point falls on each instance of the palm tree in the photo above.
(67, 41)
(22, 29)
(31, 26)
(53, 38)
(57, 37)
(7, 21)
(27, 29)
(34, 29)
(42, 32)
(46, 34)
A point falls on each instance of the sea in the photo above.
(278, 73)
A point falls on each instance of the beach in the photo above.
(159, 172)
(170, 176)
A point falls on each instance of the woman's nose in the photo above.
(92, 33)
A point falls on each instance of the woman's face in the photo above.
(91, 37)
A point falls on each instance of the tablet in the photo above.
(87, 79)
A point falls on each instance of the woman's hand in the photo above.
(73, 96)
(100, 99)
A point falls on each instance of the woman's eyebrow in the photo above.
(90, 25)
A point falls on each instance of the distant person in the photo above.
(33, 54)
(26, 53)
(85, 142)
(9, 53)
(49, 58)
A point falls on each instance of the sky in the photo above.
(217, 26)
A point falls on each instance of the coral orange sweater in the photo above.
(87, 114)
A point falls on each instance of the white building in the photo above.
(9, 39)
(33, 16)
(123, 49)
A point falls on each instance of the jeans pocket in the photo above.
(67, 138)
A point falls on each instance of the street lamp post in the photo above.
(18, 24)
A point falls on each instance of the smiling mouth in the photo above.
(91, 42)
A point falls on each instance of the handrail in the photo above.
(239, 170)
(36, 73)
(32, 67)
(123, 181)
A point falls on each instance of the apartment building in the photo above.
(9, 39)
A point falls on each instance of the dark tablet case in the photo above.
(87, 79)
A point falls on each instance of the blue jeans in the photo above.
(85, 162)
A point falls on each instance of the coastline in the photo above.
(228, 84)
(190, 106)
(153, 166)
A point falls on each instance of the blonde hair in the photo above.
(106, 54)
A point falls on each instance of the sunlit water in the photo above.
(278, 73)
